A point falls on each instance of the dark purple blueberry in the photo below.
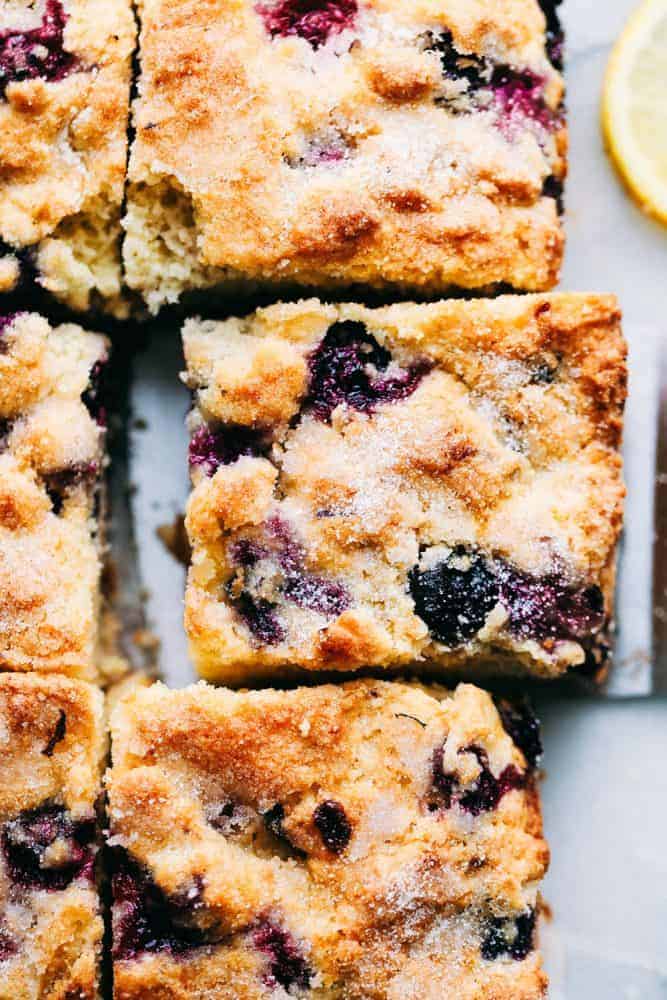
(314, 20)
(350, 368)
(287, 549)
(9, 946)
(514, 90)
(98, 389)
(145, 920)
(6, 320)
(335, 829)
(298, 586)
(5, 428)
(553, 188)
(458, 65)
(60, 484)
(544, 608)
(555, 35)
(453, 601)
(211, 447)
(523, 727)
(514, 937)
(39, 52)
(58, 734)
(25, 846)
(483, 795)
(287, 965)
(273, 820)
(522, 93)
(327, 597)
(259, 616)
(247, 552)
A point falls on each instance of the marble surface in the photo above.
(605, 790)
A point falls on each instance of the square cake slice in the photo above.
(436, 484)
(333, 143)
(52, 748)
(51, 458)
(368, 839)
(65, 72)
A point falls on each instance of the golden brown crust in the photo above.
(358, 161)
(507, 446)
(63, 148)
(52, 749)
(52, 457)
(400, 909)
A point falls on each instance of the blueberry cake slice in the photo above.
(368, 839)
(340, 142)
(65, 69)
(52, 429)
(52, 745)
(437, 483)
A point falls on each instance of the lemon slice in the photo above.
(634, 106)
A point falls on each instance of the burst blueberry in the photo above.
(38, 52)
(26, 841)
(260, 617)
(454, 597)
(334, 827)
(515, 92)
(145, 920)
(298, 585)
(514, 937)
(349, 367)
(521, 724)
(314, 20)
(61, 484)
(482, 795)
(287, 966)
(211, 447)
(555, 37)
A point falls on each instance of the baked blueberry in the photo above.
(314, 20)
(455, 596)
(145, 920)
(513, 937)
(522, 725)
(481, 795)
(278, 554)
(211, 447)
(38, 52)
(60, 485)
(334, 827)
(350, 368)
(44, 848)
(287, 966)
